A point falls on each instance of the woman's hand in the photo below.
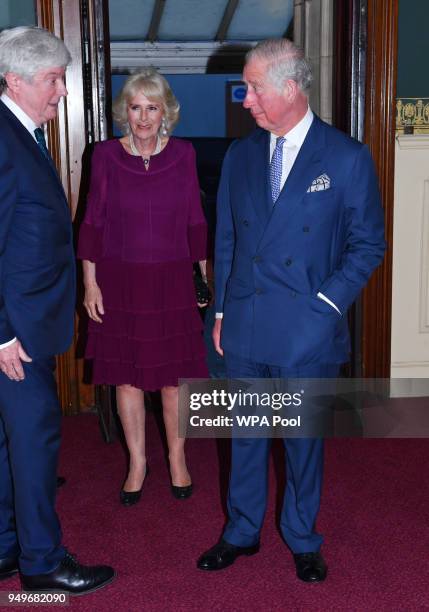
(93, 302)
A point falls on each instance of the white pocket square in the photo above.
(321, 183)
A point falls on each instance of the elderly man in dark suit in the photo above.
(37, 296)
(299, 232)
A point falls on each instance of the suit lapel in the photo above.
(257, 173)
(308, 165)
(32, 145)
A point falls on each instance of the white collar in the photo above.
(26, 121)
(296, 136)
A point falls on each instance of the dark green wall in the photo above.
(413, 49)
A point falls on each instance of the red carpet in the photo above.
(374, 517)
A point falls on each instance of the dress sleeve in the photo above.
(90, 244)
(197, 226)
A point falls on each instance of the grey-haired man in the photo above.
(37, 296)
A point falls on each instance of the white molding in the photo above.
(413, 141)
(174, 57)
(409, 379)
(410, 364)
(424, 265)
(410, 280)
(409, 387)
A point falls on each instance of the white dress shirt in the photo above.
(26, 121)
(294, 140)
(292, 145)
(29, 124)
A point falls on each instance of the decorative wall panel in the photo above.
(410, 290)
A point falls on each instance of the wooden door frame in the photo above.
(365, 100)
(380, 108)
(66, 135)
(81, 120)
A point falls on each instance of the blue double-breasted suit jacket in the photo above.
(273, 260)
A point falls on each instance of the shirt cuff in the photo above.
(6, 344)
(219, 315)
(328, 301)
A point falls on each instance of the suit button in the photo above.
(258, 291)
(305, 228)
(293, 293)
(257, 259)
(245, 222)
(288, 262)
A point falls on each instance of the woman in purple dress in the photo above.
(143, 228)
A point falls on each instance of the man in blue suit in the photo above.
(299, 232)
(37, 296)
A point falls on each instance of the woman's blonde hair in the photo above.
(151, 84)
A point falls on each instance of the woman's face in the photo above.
(144, 116)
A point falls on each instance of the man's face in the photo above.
(268, 106)
(40, 97)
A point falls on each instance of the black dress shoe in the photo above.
(310, 567)
(8, 567)
(129, 498)
(182, 492)
(70, 577)
(224, 554)
(60, 481)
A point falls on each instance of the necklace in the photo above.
(134, 150)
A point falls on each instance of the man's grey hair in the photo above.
(26, 50)
(285, 61)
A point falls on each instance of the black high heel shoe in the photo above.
(182, 492)
(129, 498)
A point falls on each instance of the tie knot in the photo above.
(280, 141)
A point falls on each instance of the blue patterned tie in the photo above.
(276, 168)
(40, 137)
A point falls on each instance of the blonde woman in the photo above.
(143, 229)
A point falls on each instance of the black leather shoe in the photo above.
(8, 567)
(224, 554)
(129, 498)
(310, 567)
(60, 481)
(182, 492)
(70, 577)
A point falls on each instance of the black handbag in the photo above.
(202, 290)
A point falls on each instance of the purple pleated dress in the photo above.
(143, 229)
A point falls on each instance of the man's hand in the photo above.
(216, 336)
(10, 361)
(93, 302)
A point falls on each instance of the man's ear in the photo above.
(13, 81)
(291, 89)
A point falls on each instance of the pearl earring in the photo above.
(163, 127)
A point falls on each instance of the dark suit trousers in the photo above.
(248, 487)
(30, 427)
